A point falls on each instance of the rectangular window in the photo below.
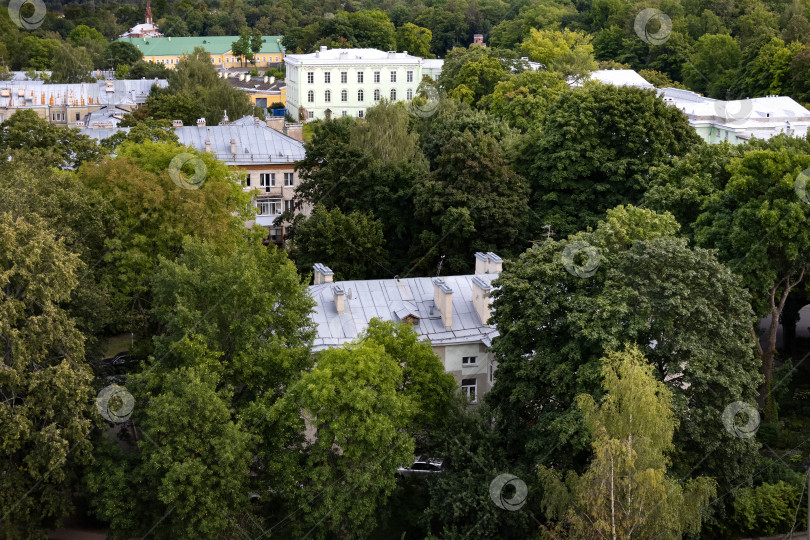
(360, 76)
(393, 76)
(470, 389)
(344, 113)
(491, 374)
(410, 76)
(344, 77)
(247, 180)
(360, 113)
(289, 179)
(77, 117)
(268, 207)
(376, 76)
(288, 206)
(311, 115)
(327, 77)
(310, 77)
(468, 360)
(267, 179)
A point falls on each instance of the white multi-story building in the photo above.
(345, 82)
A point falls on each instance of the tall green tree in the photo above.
(414, 39)
(757, 222)
(595, 151)
(471, 201)
(686, 312)
(568, 53)
(71, 65)
(359, 419)
(625, 492)
(350, 244)
(47, 409)
(523, 99)
(60, 146)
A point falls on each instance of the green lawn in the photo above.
(117, 344)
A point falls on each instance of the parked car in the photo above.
(422, 465)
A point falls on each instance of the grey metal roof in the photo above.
(394, 299)
(35, 94)
(255, 144)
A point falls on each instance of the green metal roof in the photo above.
(176, 46)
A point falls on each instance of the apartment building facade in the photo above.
(264, 152)
(452, 313)
(345, 82)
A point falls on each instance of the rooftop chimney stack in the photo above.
(266, 78)
(488, 263)
(233, 146)
(200, 122)
(481, 298)
(340, 298)
(323, 274)
(443, 298)
(294, 131)
(275, 122)
(478, 39)
(177, 123)
(208, 146)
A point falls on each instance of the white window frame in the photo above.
(289, 179)
(470, 389)
(327, 77)
(409, 76)
(409, 94)
(376, 94)
(393, 94)
(344, 77)
(268, 207)
(361, 114)
(267, 179)
(288, 205)
(327, 96)
(393, 76)
(344, 96)
(360, 77)
(360, 96)
(376, 76)
(311, 96)
(469, 360)
(311, 77)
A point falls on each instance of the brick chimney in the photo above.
(443, 298)
(233, 146)
(323, 274)
(275, 122)
(295, 131)
(481, 298)
(340, 297)
(177, 123)
(207, 146)
(201, 122)
(488, 263)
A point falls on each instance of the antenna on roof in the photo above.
(439, 268)
(549, 232)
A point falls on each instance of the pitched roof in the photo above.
(255, 143)
(177, 46)
(129, 92)
(394, 300)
